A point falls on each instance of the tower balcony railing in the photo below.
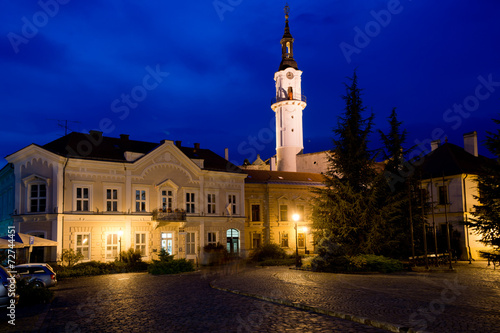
(295, 97)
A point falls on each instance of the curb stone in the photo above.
(370, 322)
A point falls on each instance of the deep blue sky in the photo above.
(423, 59)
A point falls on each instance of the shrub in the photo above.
(170, 267)
(278, 262)
(165, 256)
(98, 268)
(215, 253)
(30, 294)
(131, 256)
(374, 263)
(268, 251)
(331, 257)
(70, 257)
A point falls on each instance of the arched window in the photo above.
(233, 241)
(290, 93)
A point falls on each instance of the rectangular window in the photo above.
(38, 198)
(283, 213)
(443, 195)
(211, 204)
(231, 200)
(190, 243)
(112, 246)
(212, 238)
(82, 199)
(255, 212)
(284, 239)
(140, 242)
(167, 200)
(190, 203)
(301, 211)
(140, 200)
(301, 239)
(256, 240)
(83, 245)
(111, 200)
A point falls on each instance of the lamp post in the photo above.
(296, 217)
(120, 233)
(305, 239)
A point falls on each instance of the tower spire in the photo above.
(287, 45)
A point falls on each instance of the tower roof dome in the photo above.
(287, 46)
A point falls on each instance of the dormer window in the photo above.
(38, 198)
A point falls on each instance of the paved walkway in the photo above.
(467, 300)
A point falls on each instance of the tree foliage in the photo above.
(361, 208)
(486, 221)
(346, 209)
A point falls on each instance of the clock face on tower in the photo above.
(289, 75)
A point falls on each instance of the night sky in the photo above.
(202, 71)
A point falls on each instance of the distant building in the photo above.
(6, 198)
(271, 200)
(449, 175)
(97, 194)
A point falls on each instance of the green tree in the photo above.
(398, 186)
(346, 210)
(486, 221)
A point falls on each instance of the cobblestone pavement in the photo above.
(139, 302)
(467, 300)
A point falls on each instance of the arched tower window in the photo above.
(290, 93)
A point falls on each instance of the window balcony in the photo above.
(169, 216)
(291, 97)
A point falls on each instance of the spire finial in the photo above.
(287, 11)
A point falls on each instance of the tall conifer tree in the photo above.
(346, 209)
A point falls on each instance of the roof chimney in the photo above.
(196, 146)
(435, 144)
(470, 143)
(124, 136)
(178, 143)
(226, 154)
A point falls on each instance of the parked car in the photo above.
(6, 288)
(42, 275)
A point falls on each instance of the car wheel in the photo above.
(38, 284)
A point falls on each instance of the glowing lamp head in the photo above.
(295, 217)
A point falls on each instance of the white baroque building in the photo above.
(99, 195)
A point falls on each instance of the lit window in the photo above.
(140, 243)
(284, 239)
(112, 246)
(83, 245)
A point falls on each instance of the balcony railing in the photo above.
(171, 216)
(295, 97)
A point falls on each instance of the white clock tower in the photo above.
(288, 105)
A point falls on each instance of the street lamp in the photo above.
(305, 239)
(296, 217)
(120, 233)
